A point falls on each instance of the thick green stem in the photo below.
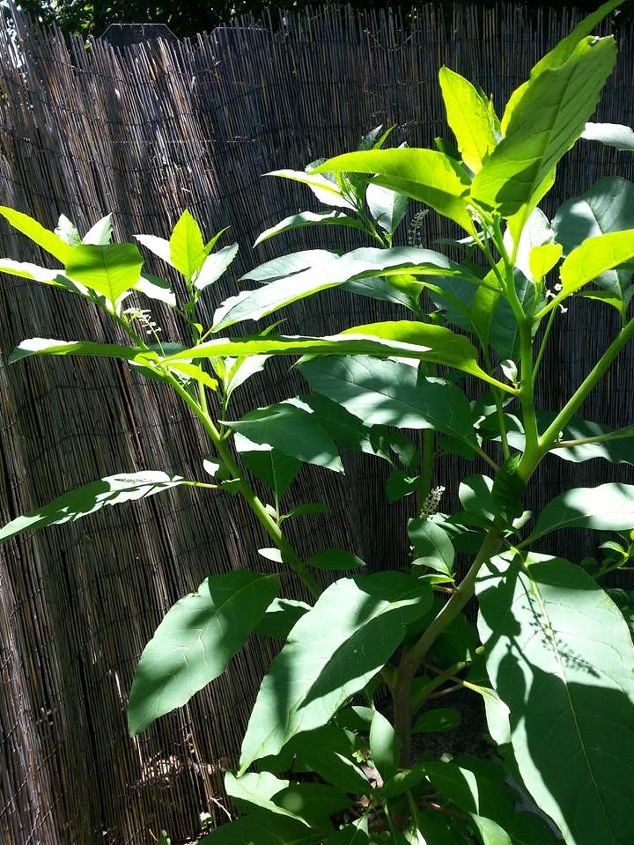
(600, 438)
(289, 556)
(426, 467)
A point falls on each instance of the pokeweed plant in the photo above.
(329, 753)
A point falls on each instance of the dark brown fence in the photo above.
(145, 131)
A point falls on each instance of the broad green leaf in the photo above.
(44, 238)
(535, 232)
(403, 338)
(75, 504)
(281, 615)
(546, 120)
(187, 248)
(195, 642)
(253, 792)
(432, 546)
(328, 271)
(329, 751)
(610, 134)
(560, 655)
(263, 829)
(48, 346)
(191, 371)
(469, 117)
(618, 451)
(156, 288)
(329, 656)
(344, 428)
(349, 835)
(314, 803)
(100, 233)
(26, 270)
(109, 270)
(293, 430)
(386, 290)
(609, 507)
(480, 788)
(327, 192)
(559, 54)
(390, 393)
(542, 259)
(309, 218)
(159, 246)
(607, 206)
(438, 719)
(214, 266)
(388, 208)
(490, 832)
(335, 559)
(385, 748)
(593, 258)
(425, 175)
(275, 468)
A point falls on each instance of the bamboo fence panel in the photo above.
(145, 131)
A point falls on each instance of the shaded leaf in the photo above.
(335, 559)
(327, 192)
(309, 218)
(214, 266)
(609, 507)
(560, 656)
(438, 719)
(385, 747)
(280, 616)
(75, 504)
(195, 642)
(263, 829)
(329, 656)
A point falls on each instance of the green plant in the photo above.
(328, 755)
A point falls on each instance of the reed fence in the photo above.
(144, 131)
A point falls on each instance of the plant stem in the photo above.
(549, 437)
(542, 348)
(427, 468)
(599, 438)
(413, 659)
(289, 556)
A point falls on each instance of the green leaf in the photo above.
(187, 249)
(490, 832)
(386, 290)
(75, 504)
(329, 656)
(560, 54)
(469, 117)
(100, 233)
(156, 288)
(425, 175)
(607, 206)
(253, 791)
(437, 720)
(313, 802)
(159, 246)
(280, 617)
(390, 393)
(385, 748)
(349, 835)
(195, 642)
(546, 120)
(388, 208)
(309, 218)
(308, 509)
(618, 451)
(291, 428)
(26, 270)
(327, 192)
(329, 751)
(214, 266)
(263, 829)
(326, 271)
(432, 546)
(338, 559)
(48, 346)
(44, 238)
(610, 134)
(275, 468)
(403, 338)
(560, 656)
(609, 507)
(592, 259)
(109, 270)
(67, 231)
